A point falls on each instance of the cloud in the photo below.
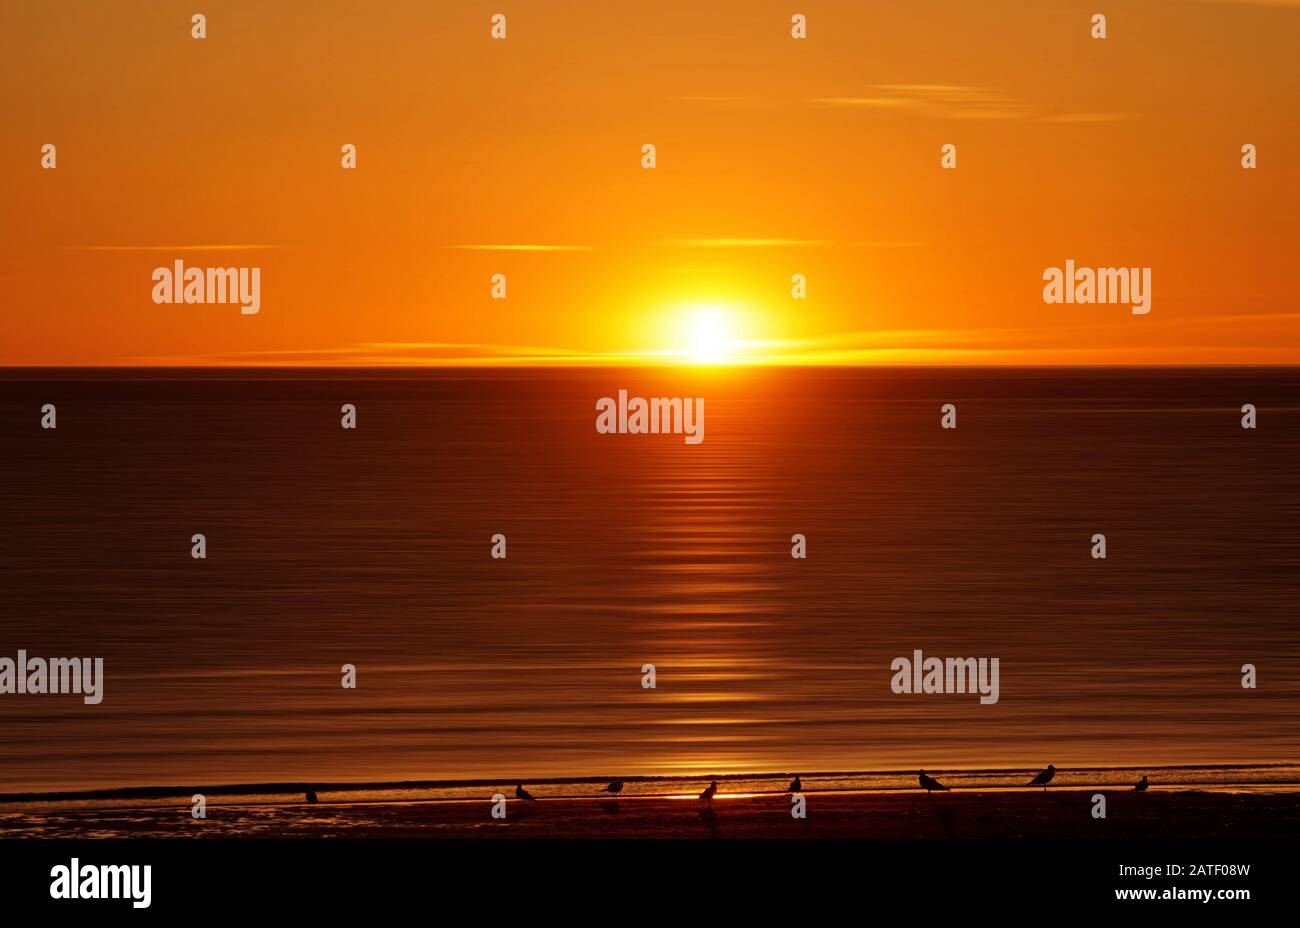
(957, 101)
(949, 101)
(884, 245)
(171, 247)
(777, 243)
(523, 247)
(743, 243)
(1090, 117)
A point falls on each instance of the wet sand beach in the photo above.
(1065, 814)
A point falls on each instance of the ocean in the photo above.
(371, 547)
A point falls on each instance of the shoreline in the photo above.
(289, 787)
(974, 814)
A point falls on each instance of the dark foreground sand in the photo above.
(973, 814)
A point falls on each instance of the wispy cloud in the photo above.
(171, 247)
(884, 244)
(1090, 117)
(978, 345)
(523, 247)
(777, 243)
(743, 243)
(956, 101)
(379, 354)
(723, 101)
(950, 101)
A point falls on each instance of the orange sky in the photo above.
(776, 157)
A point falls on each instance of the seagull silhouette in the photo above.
(615, 787)
(930, 783)
(796, 785)
(1043, 778)
(708, 793)
(521, 793)
(1142, 784)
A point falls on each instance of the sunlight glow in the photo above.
(696, 796)
(709, 335)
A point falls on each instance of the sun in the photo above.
(709, 335)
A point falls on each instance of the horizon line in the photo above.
(607, 363)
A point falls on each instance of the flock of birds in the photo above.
(928, 783)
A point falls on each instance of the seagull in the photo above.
(709, 790)
(1142, 785)
(929, 783)
(311, 796)
(796, 785)
(615, 787)
(1043, 778)
(521, 793)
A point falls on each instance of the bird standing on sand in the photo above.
(709, 792)
(615, 787)
(521, 793)
(1142, 785)
(930, 783)
(796, 785)
(1044, 778)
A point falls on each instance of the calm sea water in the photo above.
(371, 547)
